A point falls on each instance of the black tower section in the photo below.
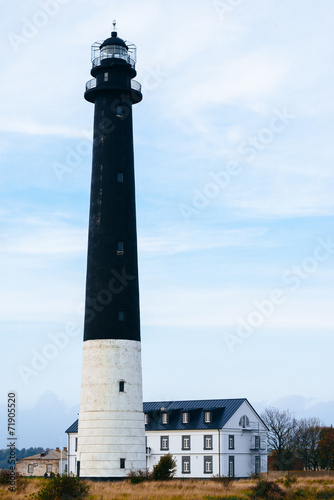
(112, 293)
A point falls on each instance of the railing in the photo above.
(97, 61)
(135, 85)
(91, 84)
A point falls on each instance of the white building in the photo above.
(224, 437)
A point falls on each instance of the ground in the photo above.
(304, 488)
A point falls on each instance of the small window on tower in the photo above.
(120, 177)
(121, 385)
(122, 463)
(120, 248)
(121, 315)
(105, 77)
(119, 111)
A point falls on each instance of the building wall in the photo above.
(244, 441)
(243, 455)
(39, 467)
(72, 453)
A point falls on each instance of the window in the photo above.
(30, 468)
(185, 442)
(185, 465)
(121, 386)
(231, 466)
(122, 463)
(121, 315)
(244, 421)
(120, 177)
(105, 77)
(146, 418)
(231, 442)
(257, 442)
(257, 465)
(207, 417)
(164, 443)
(120, 248)
(185, 417)
(207, 465)
(208, 442)
(49, 468)
(119, 111)
(76, 444)
(164, 418)
(65, 470)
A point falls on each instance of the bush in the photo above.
(268, 490)
(6, 479)
(61, 487)
(4, 476)
(138, 476)
(289, 480)
(165, 468)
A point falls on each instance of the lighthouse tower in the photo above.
(111, 435)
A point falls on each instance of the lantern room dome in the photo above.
(114, 40)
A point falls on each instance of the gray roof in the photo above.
(48, 455)
(222, 410)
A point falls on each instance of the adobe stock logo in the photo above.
(248, 150)
(39, 20)
(293, 279)
(40, 358)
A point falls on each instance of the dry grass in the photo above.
(170, 490)
(173, 490)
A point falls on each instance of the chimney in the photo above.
(65, 449)
(57, 449)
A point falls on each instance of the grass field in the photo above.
(182, 490)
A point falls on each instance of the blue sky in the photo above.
(234, 178)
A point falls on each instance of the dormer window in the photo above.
(185, 417)
(164, 418)
(244, 421)
(207, 417)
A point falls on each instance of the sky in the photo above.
(234, 192)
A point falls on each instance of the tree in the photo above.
(165, 468)
(282, 437)
(326, 448)
(307, 439)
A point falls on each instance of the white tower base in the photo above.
(111, 434)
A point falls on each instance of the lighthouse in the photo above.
(111, 434)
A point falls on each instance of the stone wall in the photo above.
(39, 469)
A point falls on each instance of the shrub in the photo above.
(138, 476)
(60, 487)
(268, 490)
(289, 480)
(4, 476)
(165, 468)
